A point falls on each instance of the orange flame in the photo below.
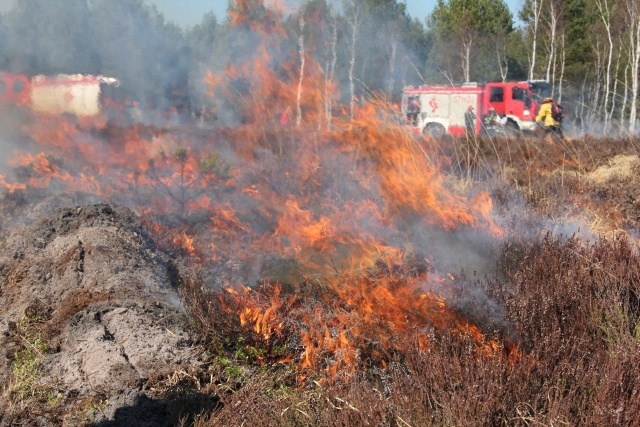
(11, 187)
(342, 204)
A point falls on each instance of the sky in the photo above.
(190, 12)
(187, 13)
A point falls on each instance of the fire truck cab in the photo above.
(14, 89)
(442, 108)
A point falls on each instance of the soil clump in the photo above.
(90, 318)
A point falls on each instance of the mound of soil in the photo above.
(85, 292)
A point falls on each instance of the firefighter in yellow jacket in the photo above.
(549, 116)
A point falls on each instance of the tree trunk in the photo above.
(504, 70)
(605, 15)
(393, 46)
(537, 9)
(614, 91)
(625, 98)
(633, 11)
(352, 63)
(594, 100)
(553, 29)
(635, 72)
(330, 73)
(302, 60)
(466, 60)
(562, 63)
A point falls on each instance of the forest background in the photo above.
(589, 50)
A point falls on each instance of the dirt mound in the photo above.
(89, 313)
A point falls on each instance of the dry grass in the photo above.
(571, 327)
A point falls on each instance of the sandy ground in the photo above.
(94, 288)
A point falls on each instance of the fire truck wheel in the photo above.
(435, 130)
(513, 129)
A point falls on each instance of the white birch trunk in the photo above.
(563, 55)
(503, 70)
(393, 46)
(553, 29)
(605, 15)
(633, 11)
(330, 73)
(466, 58)
(614, 91)
(302, 60)
(625, 98)
(352, 63)
(537, 10)
(635, 73)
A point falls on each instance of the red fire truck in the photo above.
(442, 108)
(76, 94)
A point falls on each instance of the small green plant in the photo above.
(185, 181)
(54, 398)
(280, 390)
(30, 319)
(249, 353)
(95, 407)
(279, 350)
(25, 369)
(229, 369)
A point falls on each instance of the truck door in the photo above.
(496, 97)
(520, 102)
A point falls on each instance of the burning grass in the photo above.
(572, 310)
(336, 276)
(344, 271)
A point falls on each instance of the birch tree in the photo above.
(632, 15)
(503, 63)
(604, 8)
(531, 12)
(329, 70)
(353, 21)
(553, 18)
(301, 23)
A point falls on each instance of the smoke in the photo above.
(12, 139)
(246, 75)
(123, 39)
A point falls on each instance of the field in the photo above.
(360, 276)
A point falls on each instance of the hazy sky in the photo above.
(190, 12)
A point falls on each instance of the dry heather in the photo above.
(92, 341)
(564, 303)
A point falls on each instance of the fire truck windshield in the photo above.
(539, 90)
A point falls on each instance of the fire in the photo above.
(263, 321)
(344, 209)
(185, 242)
(11, 187)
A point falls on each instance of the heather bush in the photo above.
(570, 349)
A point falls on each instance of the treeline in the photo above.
(588, 49)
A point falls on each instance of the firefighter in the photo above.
(490, 122)
(549, 118)
(470, 121)
(413, 109)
